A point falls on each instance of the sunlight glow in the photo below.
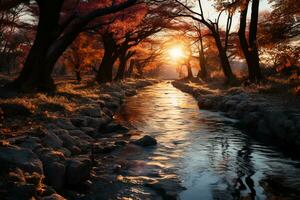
(176, 53)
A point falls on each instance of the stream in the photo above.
(202, 150)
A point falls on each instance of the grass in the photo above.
(44, 108)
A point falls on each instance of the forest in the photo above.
(149, 99)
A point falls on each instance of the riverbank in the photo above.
(274, 119)
(49, 144)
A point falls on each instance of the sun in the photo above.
(176, 53)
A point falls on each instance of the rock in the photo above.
(65, 151)
(16, 176)
(31, 143)
(91, 111)
(34, 178)
(1, 115)
(52, 140)
(65, 123)
(95, 122)
(113, 127)
(16, 157)
(74, 138)
(80, 134)
(227, 105)
(49, 156)
(52, 107)
(79, 122)
(23, 185)
(55, 174)
(101, 103)
(78, 171)
(22, 190)
(146, 141)
(167, 188)
(130, 92)
(108, 112)
(106, 97)
(75, 150)
(142, 83)
(48, 191)
(15, 109)
(113, 105)
(104, 149)
(117, 168)
(53, 197)
(120, 143)
(205, 104)
(68, 140)
(89, 131)
(117, 95)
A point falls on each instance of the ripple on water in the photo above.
(203, 150)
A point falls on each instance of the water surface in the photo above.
(204, 151)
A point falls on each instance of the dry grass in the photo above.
(39, 108)
(54, 103)
(82, 90)
(67, 98)
(24, 102)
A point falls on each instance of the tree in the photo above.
(249, 44)
(277, 32)
(123, 58)
(114, 38)
(145, 30)
(216, 33)
(202, 73)
(146, 58)
(58, 26)
(82, 54)
(281, 24)
(148, 20)
(202, 61)
(13, 36)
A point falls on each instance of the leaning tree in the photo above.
(149, 19)
(60, 22)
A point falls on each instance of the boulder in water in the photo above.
(146, 141)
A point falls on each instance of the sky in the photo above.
(211, 13)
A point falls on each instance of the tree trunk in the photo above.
(77, 72)
(35, 73)
(104, 74)
(250, 49)
(130, 69)
(189, 70)
(121, 69)
(230, 78)
(123, 62)
(78, 76)
(123, 57)
(202, 63)
(253, 41)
